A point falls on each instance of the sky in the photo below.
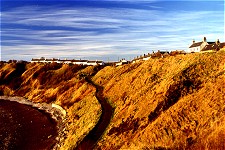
(105, 30)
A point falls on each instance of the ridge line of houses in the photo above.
(195, 47)
(158, 54)
(202, 47)
(205, 46)
(67, 61)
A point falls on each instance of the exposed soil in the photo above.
(25, 127)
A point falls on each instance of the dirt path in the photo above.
(89, 142)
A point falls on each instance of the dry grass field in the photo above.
(167, 103)
(177, 102)
(59, 84)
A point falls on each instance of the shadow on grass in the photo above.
(94, 135)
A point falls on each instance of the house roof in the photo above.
(37, 59)
(163, 52)
(222, 45)
(79, 60)
(210, 47)
(51, 59)
(213, 46)
(95, 61)
(196, 44)
(34, 59)
(99, 61)
(65, 60)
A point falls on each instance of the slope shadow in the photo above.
(89, 142)
(183, 86)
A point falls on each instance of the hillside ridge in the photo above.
(175, 102)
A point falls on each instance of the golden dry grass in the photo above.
(177, 102)
(60, 84)
(170, 103)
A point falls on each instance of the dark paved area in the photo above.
(23, 127)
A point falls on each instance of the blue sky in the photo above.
(105, 30)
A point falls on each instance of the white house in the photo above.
(79, 62)
(147, 57)
(197, 47)
(65, 61)
(51, 60)
(94, 63)
(40, 60)
(121, 62)
(44, 60)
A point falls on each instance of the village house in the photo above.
(214, 46)
(177, 52)
(95, 63)
(67, 61)
(51, 60)
(122, 62)
(136, 59)
(79, 62)
(205, 46)
(160, 54)
(38, 60)
(198, 46)
(147, 57)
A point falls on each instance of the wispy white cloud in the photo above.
(85, 32)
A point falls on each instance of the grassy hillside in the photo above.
(59, 84)
(177, 102)
(174, 102)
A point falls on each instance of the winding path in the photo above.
(89, 142)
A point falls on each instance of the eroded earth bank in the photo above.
(177, 102)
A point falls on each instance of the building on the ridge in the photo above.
(79, 62)
(95, 63)
(177, 52)
(67, 61)
(222, 46)
(214, 46)
(38, 60)
(122, 62)
(147, 57)
(198, 46)
(51, 60)
(206, 46)
(160, 54)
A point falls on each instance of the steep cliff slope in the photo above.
(177, 102)
(174, 102)
(64, 85)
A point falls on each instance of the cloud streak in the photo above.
(59, 31)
